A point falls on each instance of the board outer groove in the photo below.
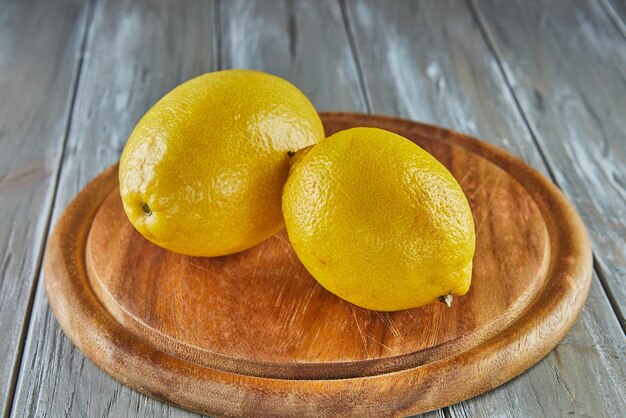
(429, 386)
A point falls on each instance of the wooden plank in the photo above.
(39, 57)
(429, 61)
(566, 63)
(135, 52)
(304, 42)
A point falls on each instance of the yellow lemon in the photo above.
(378, 221)
(203, 171)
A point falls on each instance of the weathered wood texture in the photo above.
(582, 376)
(429, 61)
(566, 63)
(39, 55)
(303, 41)
(135, 53)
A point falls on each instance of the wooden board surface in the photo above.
(127, 67)
(39, 44)
(466, 93)
(165, 323)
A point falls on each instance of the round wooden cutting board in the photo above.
(254, 334)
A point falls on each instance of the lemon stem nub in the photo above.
(291, 153)
(146, 209)
(447, 299)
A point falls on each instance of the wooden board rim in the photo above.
(91, 328)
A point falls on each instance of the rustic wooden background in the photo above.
(545, 80)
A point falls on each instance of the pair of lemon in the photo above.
(210, 171)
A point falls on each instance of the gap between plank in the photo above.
(491, 44)
(217, 28)
(610, 296)
(355, 55)
(17, 365)
(610, 10)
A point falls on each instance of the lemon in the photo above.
(378, 221)
(203, 171)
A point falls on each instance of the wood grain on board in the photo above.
(234, 335)
(566, 63)
(428, 61)
(135, 52)
(39, 56)
(261, 305)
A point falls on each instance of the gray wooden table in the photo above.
(545, 80)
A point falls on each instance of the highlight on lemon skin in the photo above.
(378, 221)
(202, 172)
